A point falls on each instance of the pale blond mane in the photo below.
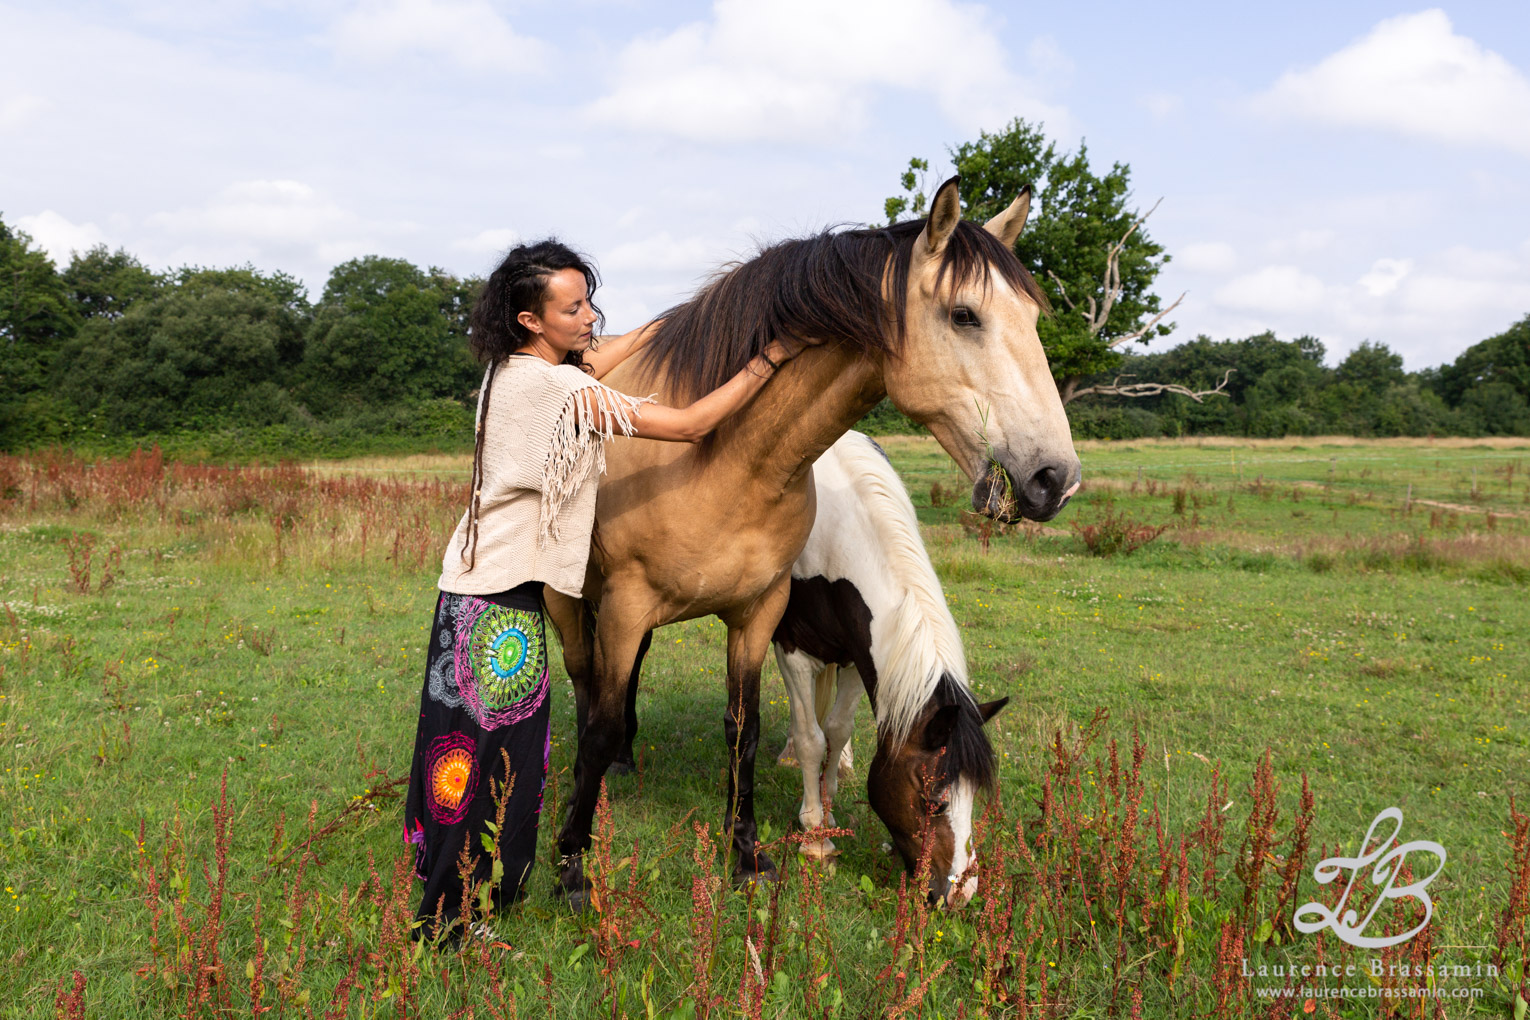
(919, 642)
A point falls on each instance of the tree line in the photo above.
(1282, 387)
(107, 353)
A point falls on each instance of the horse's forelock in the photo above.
(969, 752)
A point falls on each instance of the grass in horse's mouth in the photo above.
(999, 478)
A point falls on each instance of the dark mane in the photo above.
(969, 753)
(821, 289)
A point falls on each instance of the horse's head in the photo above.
(923, 788)
(971, 368)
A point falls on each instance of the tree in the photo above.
(217, 347)
(35, 318)
(385, 331)
(1497, 409)
(1085, 244)
(283, 288)
(1371, 367)
(104, 284)
(1503, 358)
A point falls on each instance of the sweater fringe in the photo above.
(592, 415)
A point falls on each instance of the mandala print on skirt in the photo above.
(451, 777)
(440, 676)
(500, 662)
(483, 726)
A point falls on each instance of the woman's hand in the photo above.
(780, 351)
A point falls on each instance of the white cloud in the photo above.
(1048, 60)
(1304, 242)
(468, 33)
(1162, 105)
(58, 236)
(1384, 276)
(1415, 76)
(17, 111)
(663, 253)
(805, 70)
(272, 222)
(1272, 289)
(1207, 257)
(1428, 307)
(487, 242)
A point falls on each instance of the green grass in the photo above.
(1296, 603)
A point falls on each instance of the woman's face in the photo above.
(567, 316)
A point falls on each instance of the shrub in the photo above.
(1114, 533)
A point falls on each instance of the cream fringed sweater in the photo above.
(544, 444)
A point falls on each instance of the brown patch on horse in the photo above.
(909, 786)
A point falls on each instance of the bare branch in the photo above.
(1062, 289)
(1110, 284)
(1127, 338)
(1115, 389)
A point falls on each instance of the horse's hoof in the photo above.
(622, 767)
(744, 879)
(763, 873)
(578, 900)
(822, 850)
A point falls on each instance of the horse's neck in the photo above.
(772, 443)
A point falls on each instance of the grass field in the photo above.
(1357, 608)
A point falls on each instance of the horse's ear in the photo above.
(937, 732)
(945, 213)
(991, 709)
(1007, 225)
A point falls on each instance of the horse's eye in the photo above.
(961, 315)
(937, 805)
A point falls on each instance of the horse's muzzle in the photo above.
(1044, 491)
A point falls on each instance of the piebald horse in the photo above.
(939, 316)
(866, 611)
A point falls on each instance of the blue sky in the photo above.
(1353, 171)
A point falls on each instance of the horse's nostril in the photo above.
(1042, 486)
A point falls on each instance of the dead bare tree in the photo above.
(1096, 314)
(1147, 389)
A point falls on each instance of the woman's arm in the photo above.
(691, 424)
(616, 349)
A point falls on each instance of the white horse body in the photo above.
(866, 532)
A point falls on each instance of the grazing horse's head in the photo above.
(923, 788)
(970, 367)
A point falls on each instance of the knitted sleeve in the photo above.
(592, 414)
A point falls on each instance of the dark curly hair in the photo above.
(518, 284)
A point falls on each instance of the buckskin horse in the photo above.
(939, 316)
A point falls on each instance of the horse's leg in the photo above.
(801, 672)
(824, 693)
(838, 725)
(749, 636)
(626, 761)
(618, 635)
(575, 625)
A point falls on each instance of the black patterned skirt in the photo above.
(483, 731)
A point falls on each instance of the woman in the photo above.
(482, 743)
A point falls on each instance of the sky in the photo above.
(1355, 171)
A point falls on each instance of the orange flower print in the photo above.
(451, 777)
